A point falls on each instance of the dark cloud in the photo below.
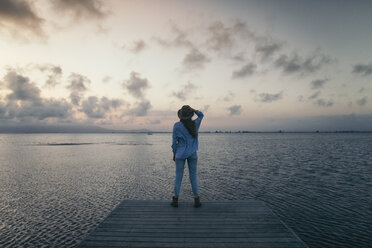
(2, 110)
(138, 46)
(77, 86)
(362, 101)
(324, 103)
(179, 38)
(21, 87)
(220, 37)
(136, 85)
(315, 95)
(266, 49)
(25, 102)
(195, 59)
(186, 90)
(97, 108)
(81, 8)
(78, 82)
(247, 70)
(239, 57)
(318, 83)
(18, 18)
(235, 109)
(223, 37)
(363, 69)
(53, 72)
(297, 64)
(266, 97)
(141, 109)
(46, 109)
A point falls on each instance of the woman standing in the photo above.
(184, 146)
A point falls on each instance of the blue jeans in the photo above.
(192, 162)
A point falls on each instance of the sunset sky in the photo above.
(248, 65)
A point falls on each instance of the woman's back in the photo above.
(184, 144)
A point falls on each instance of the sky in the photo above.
(290, 65)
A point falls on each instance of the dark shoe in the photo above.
(197, 202)
(174, 202)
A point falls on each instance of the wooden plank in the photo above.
(108, 244)
(200, 240)
(216, 224)
(192, 230)
(178, 234)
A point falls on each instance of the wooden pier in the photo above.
(215, 224)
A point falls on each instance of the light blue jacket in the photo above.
(183, 144)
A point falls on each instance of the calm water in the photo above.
(55, 188)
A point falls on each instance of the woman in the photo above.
(184, 146)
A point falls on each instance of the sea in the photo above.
(56, 188)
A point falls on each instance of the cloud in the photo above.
(54, 74)
(247, 70)
(296, 64)
(362, 101)
(324, 103)
(46, 109)
(179, 39)
(361, 90)
(222, 38)
(219, 36)
(77, 87)
(141, 109)
(229, 97)
(25, 102)
(266, 97)
(136, 85)
(19, 19)
(318, 83)
(235, 109)
(138, 46)
(2, 110)
(315, 95)
(266, 49)
(97, 108)
(153, 122)
(363, 69)
(195, 59)
(106, 79)
(78, 82)
(21, 87)
(239, 57)
(186, 90)
(81, 8)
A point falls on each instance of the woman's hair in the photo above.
(190, 126)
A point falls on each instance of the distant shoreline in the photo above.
(157, 132)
